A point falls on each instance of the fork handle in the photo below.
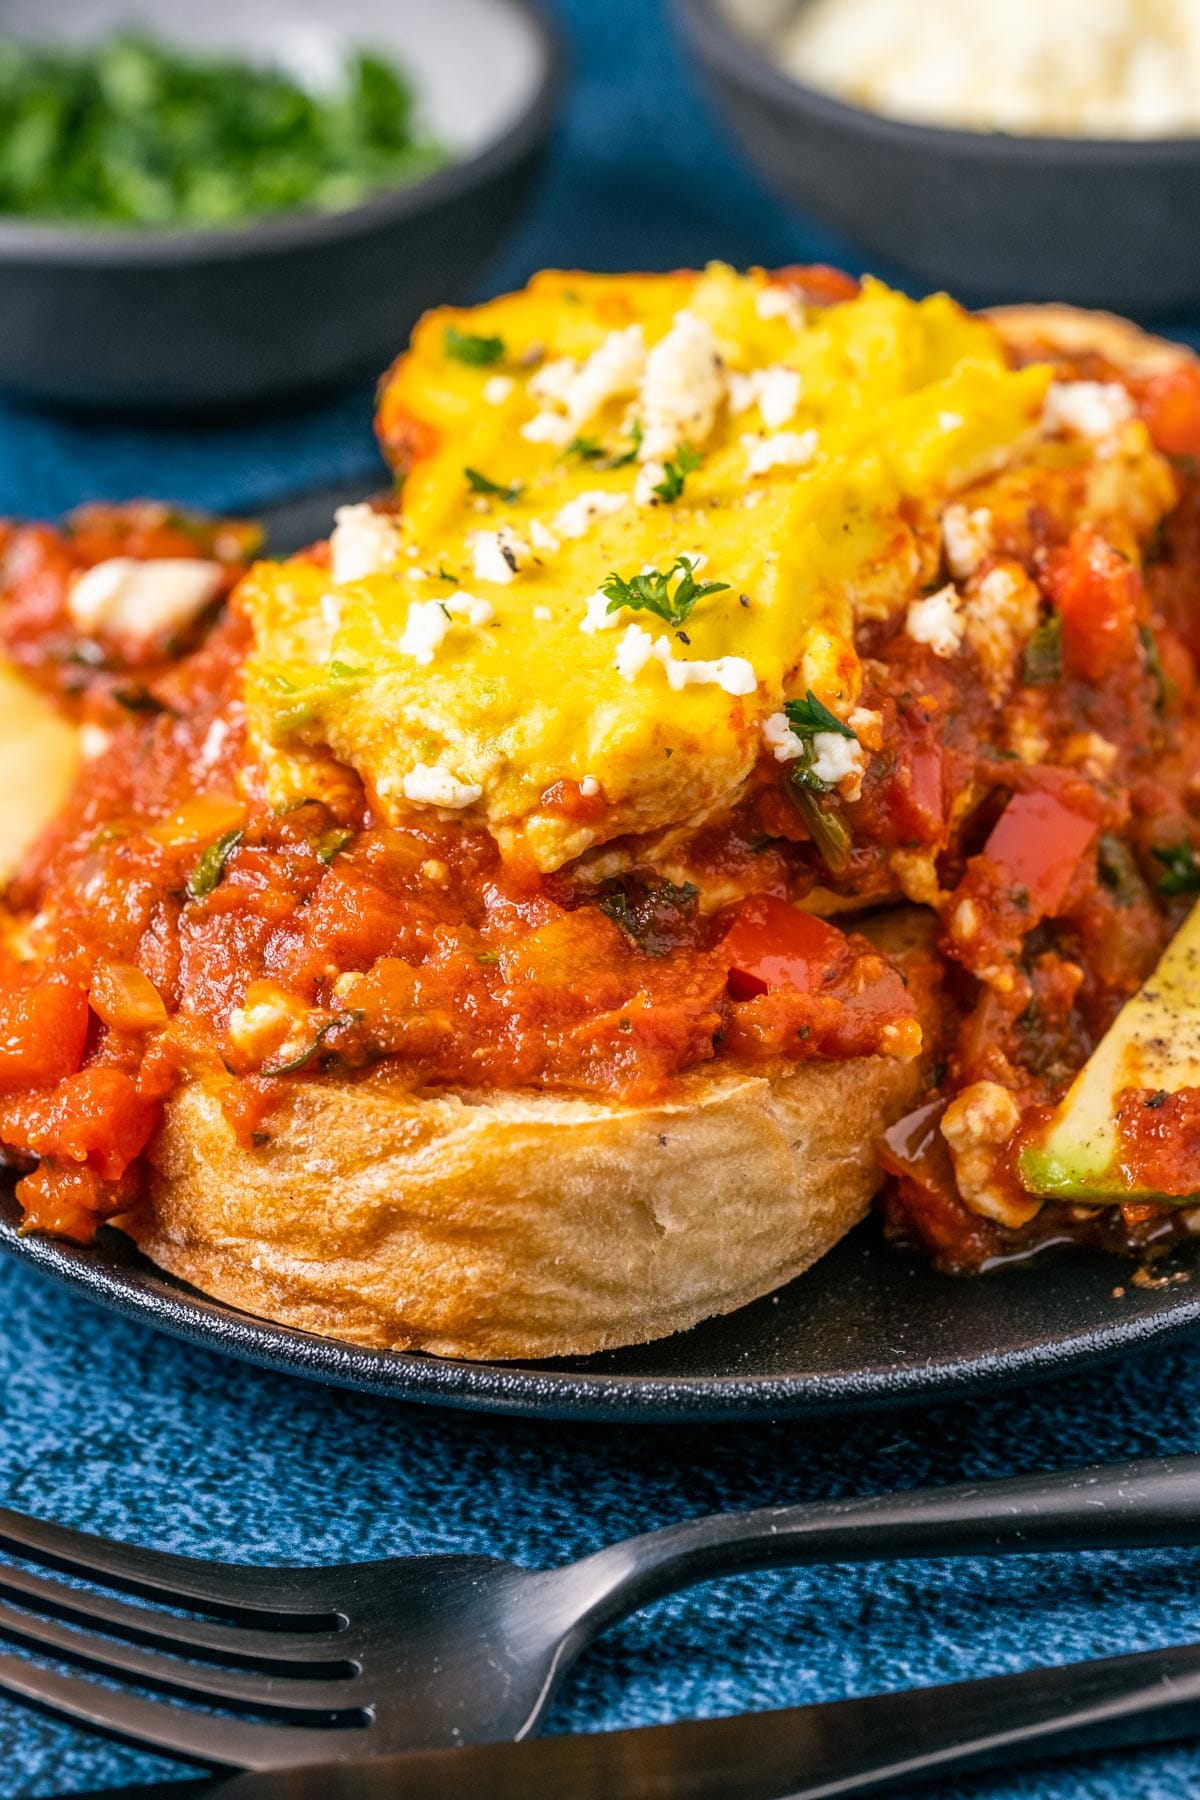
(1117, 1506)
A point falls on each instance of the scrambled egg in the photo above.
(677, 433)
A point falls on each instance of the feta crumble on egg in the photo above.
(571, 393)
(775, 390)
(497, 388)
(783, 449)
(775, 302)
(966, 538)
(578, 515)
(732, 674)
(143, 599)
(1088, 409)
(429, 784)
(470, 607)
(596, 616)
(837, 761)
(937, 621)
(424, 629)
(781, 739)
(541, 538)
(589, 787)
(498, 555)
(683, 386)
(363, 542)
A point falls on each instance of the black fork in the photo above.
(259, 1668)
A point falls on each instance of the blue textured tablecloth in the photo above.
(110, 1426)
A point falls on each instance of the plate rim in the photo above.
(136, 1289)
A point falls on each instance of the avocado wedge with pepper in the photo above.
(1153, 1046)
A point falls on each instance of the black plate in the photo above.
(867, 1328)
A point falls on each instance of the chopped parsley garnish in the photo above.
(1163, 688)
(657, 914)
(1043, 657)
(1182, 870)
(134, 131)
(483, 484)
(586, 448)
(651, 592)
(1117, 870)
(467, 347)
(826, 829)
(808, 716)
(345, 672)
(311, 1049)
(676, 470)
(623, 460)
(208, 871)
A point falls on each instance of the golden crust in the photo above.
(520, 1224)
(1073, 331)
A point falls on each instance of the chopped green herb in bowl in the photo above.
(137, 133)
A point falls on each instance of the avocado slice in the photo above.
(1154, 1042)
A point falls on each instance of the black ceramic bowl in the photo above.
(164, 321)
(991, 217)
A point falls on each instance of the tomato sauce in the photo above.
(172, 924)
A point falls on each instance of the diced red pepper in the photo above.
(1099, 596)
(95, 1117)
(43, 1030)
(1039, 842)
(1170, 405)
(773, 945)
(819, 283)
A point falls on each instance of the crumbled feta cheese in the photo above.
(650, 476)
(498, 555)
(497, 388)
(363, 542)
(578, 515)
(836, 758)
(542, 613)
(634, 651)
(469, 607)
(424, 629)
(951, 421)
(415, 574)
(733, 674)
(775, 390)
(596, 615)
(779, 737)
(976, 1125)
(774, 302)
(548, 428)
(1090, 409)
(580, 390)
(540, 538)
(967, 538)
(683, 386)
(331, 613)
(429, 784)
(254, 1027)
(787, 449)
(589, 787)
(937, 621)
(552, 382)
(143, 599)
(1001, 614)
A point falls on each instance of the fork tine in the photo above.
(237, 1643)
(205, 1682)
(235, 1587)
(208, 1738)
